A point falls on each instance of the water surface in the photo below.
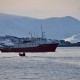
(64, 64)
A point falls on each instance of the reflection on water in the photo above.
(64, 64)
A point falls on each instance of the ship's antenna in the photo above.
(42, 32)
(30, 34)
(37, 34)
(34, 31)
(34, 34)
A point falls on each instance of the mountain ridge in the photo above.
(55, 27)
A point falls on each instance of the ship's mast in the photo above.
(43, 35)
(42, 32)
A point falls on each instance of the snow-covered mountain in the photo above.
(54, 28)
(73, 39)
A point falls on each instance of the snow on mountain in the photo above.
(54, 28)
(74, 38)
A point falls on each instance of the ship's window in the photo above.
(26, 41)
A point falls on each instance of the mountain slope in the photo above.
(58, 28)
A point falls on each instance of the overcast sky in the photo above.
(41, 8)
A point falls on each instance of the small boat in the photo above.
(22, 54)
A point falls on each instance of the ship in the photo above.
(33, 44)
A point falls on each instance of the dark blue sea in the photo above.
(64, 64)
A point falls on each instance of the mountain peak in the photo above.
(70, 18)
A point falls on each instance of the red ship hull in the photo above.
(40, 48)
